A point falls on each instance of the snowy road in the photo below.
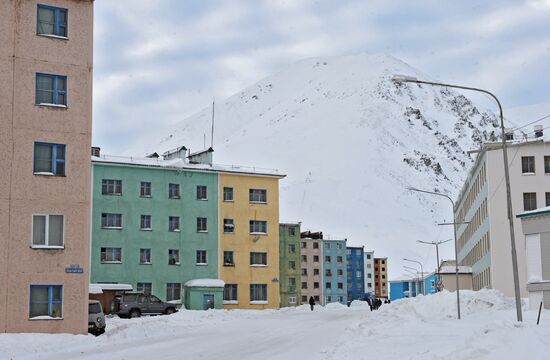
(423, 328)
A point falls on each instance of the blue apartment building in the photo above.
(335, 287)
(355, 257)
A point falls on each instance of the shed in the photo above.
(203, 294)
(105, 294)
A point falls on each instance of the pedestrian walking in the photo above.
(311, 302)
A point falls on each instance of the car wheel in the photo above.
(170, 311)
(135, 313)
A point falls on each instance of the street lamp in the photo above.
(405, 78)
(436, 243)
(415, 278)
(421, 272)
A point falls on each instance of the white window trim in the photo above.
(46, 230)
(53, 105)
(43, 173)
(259, 302)
(258, 265)
(53, 36)
(258, 233)
(201, 264)
(231, 302)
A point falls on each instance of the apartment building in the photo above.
(355, 259)
(311, 265)
(289, 264)
(45, 134)
(381, 277)
(484, 243)
(369, 272)
(335, 286)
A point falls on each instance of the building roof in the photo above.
(205, 283)
(180, 164)
(533, 213)
(98, 288)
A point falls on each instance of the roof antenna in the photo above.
(204, 140)
(212, 137)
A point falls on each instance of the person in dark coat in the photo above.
(311, 302)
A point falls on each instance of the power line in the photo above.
(532, 122)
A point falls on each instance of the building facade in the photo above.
(335, 287)
(289, 264)
(249, 240)
(311, 267)
(380, 277)
(45, 133)
(154, 227)
(355, 258)
(484, 243)
(369, 273)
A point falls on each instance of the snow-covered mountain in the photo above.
(350, 141)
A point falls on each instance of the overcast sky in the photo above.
(157, 62)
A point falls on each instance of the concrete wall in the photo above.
(335, 249)
(381, 277)
(355, 259)
(22, 55)
(286, 240)
(464, 281)
(131, 239)
(369, 271)
(194, 297)
(309, 251)
(242, 243)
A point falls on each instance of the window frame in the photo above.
(200, 192)
(202, 224)
(228, 190)
(174, 191)
(170, 220)
(106, 184)
(143, 286)
(171, 256)
(229, 225)
(253, 224)
(57, 24)
(258, 289)
(143, 217)
(528, 163)
(148, 187)
(198, 256)
(106, 215)
(525, 208)
(257, 196)
(258, 259)
(145, 251)
(47, 232)
(51, 302)
(226, 255)
(231, 289)
(55, 160)
(175, 290)
(56, 92)
(101, 252)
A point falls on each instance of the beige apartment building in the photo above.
(484, 243)
(311, 252)
(381, 277)
(45, 135)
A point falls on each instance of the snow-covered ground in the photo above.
(421, 328)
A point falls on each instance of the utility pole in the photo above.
(436, 243)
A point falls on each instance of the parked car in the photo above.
(96, 318)
(137, 304)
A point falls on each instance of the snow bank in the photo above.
(205, 283)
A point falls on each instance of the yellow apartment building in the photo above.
(249, 240)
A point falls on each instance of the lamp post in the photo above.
(436, 243)
(404, 78)
(421, 273)
(415, 278)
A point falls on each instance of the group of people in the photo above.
(374, 304)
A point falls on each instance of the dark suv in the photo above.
(137, 304)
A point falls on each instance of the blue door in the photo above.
(208, 301)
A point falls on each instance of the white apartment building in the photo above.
(484, 243)
(369, 272)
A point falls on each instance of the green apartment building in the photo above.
(154, 224)
(289, 264)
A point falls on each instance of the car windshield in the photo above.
(94, 308)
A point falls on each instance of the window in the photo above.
(111, 187)
(316, 298)
(258, 227)
(111, 255)
(292, 283)
(368, 256)
(369, 284)
(145, 189)
(113, 221)
(327, 246)
(292, 299)
(173, 257)
(383, 262)
(328, 272)
(369, 276)
(230, 292)
(292, 248)
(51, 21)
(316, 285)
(529, 201)
(46, 300)
(173, 191)
(173, 291)
(228, 226)
(340, 285)
(145, 256)
(348, 251)
(383, 276)
(339, 246)
(340, 272)
(145, 223)
(144, 287)
(368, 266)
(258, 292)
(228, 258)
(316, 245)
(202, 192)
(173, 223)
(291, 231)
(304, 299)
(304, 258)
(327, 259)
(49, 159)
(51, 89)
(358, 274)
(47, 230)
(304, 272)
(339, 259)
(315, 258)
(202, 225)
(201, 257)
(292, 265)
(258, 258)
(304, 285)
(304, 245)
(328, 285)
(358, 252)
(547, 164)
(227, 194)
(315, 271)
(328, 299)
(257, 195)
(528, 164)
